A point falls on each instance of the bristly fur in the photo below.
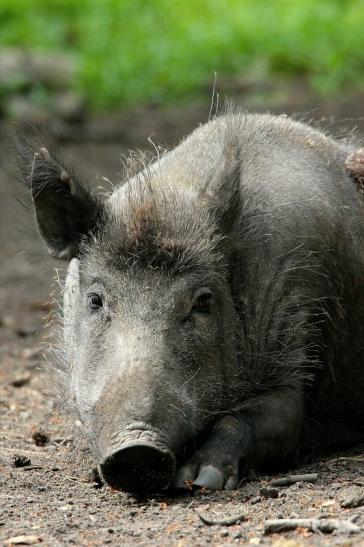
(160, 222)
(189, 212)
(152, 228)
(29, 138)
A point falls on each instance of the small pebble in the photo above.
(21, 461)
(21, 380)
(23, 540)
(40, 438)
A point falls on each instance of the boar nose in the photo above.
(139, 467)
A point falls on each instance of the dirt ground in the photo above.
(54, 498)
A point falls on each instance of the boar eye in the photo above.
(202, 303)
(94, 301)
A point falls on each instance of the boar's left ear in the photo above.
(222, 191)
(64, 209)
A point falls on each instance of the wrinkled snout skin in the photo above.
(214, 302)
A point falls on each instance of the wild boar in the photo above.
(215, 299)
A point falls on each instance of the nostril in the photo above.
(139, 467)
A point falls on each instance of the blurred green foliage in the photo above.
(134, 51)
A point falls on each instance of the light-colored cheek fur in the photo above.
(71, 297)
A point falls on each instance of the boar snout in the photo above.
(142, 462)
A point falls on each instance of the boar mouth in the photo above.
(143, 463)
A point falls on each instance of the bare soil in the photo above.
(55, 499)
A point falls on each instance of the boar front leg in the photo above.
(266, 430)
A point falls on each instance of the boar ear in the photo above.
(64, 209)
(222, 191)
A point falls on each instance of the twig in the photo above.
(222, 522)
(292, 479)
(75, 479)
(21, 451)
(348, 459)
(315, 525)
(10, 435)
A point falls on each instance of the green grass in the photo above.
(134, 51)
